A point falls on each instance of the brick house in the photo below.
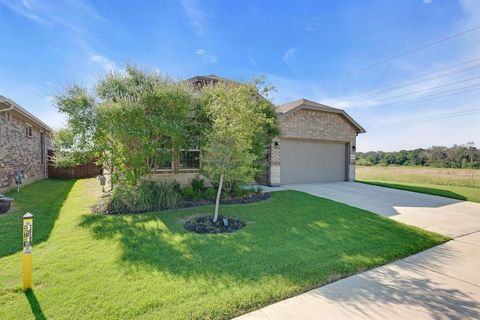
(24, 143)
(317, 144)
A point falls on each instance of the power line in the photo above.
(416, 49)
(432, 88)
(391, 88)
(449, 67)
(436, 95)
(441, 116)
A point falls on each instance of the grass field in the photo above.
(148, 266)
(463, 184)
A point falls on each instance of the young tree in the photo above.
(240, 118)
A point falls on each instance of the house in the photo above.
(24, 143)
(317, 144)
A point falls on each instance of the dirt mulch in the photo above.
(205, 224)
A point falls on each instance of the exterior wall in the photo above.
(183, 178)
(17, 151)
(314, 125)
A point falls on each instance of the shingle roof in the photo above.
(312, 105)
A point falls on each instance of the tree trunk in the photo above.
(217, 202)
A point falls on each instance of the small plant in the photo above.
(198, 184)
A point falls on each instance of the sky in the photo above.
(332, 52)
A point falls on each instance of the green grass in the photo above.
(462, 184)
(148, 266)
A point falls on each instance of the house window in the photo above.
(163, 161)
(42, 147)
(28, 131)
(189, 159)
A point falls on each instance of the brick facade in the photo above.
(18, 150)
(307, 124)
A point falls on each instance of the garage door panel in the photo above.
(307, 161)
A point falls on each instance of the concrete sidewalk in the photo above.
(440, 283)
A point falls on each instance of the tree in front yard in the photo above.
(241, 121)
(128, 123)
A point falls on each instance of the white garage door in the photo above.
(305, 161)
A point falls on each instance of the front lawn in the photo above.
(108, 267)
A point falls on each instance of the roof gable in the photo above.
(297, 105)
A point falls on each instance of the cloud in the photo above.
(289, 57)
(427, 1)
(107, 64)
(24, 8)
(195, 15)
(205, 56)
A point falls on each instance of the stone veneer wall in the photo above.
(312, 125)
(17, 151)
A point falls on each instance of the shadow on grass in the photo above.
(427, 190)
(44, 200)
(290, 235)
(35, 305)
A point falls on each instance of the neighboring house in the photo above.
(24, 143)
(317, 144)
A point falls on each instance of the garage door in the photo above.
(302, 161)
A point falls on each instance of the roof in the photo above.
(311, 105)
(24, 112)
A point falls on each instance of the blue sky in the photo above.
(307, 49)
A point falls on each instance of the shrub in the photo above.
(210, 193)
(188, 192)
(147, 195)
(198, 184)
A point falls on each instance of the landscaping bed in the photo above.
(159, 196)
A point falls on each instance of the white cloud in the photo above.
(205, 56)
(107, 64)
(195, 15)
(427, 1)
(289, 57)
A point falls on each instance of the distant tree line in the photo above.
(457, 156)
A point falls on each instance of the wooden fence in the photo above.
(87, 170)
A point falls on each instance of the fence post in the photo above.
(27, 250)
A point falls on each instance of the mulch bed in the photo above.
(103, 207)
(205, 224)
(256, 197)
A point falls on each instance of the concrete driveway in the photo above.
(446, 216)
(440, 283)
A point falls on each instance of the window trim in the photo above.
(190, 169)
(166, 170)
(29, 133)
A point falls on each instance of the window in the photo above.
(189, 159)
(28, 131)
(163, 161)
(42, 147)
